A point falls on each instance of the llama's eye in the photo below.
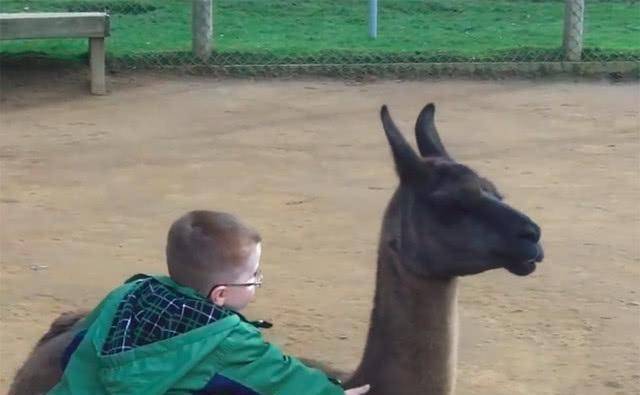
(490, 189)
(470, 196)
(447, 209)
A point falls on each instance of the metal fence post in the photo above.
(373, 18)
(202, 28)
(573, 30)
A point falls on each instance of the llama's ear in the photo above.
(406, 159)
(427, 135)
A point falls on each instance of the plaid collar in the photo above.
(158, 309)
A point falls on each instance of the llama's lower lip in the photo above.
(528, 266)
(540, 256)
(522, 268)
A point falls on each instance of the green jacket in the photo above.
(169, 352)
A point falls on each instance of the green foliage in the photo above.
(335, 31)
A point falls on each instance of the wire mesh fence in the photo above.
(332, 37)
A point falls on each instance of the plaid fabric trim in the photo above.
(154, 312)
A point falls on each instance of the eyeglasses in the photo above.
(258, 277)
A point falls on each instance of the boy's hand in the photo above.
(358, 391)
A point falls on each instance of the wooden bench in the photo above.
(92, 25)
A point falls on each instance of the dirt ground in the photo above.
(89, 186)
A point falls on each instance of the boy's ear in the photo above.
(218, 295)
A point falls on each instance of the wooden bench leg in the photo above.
(97, 61)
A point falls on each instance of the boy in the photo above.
(183, 334)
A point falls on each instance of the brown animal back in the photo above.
(42, 370)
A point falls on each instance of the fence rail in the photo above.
(340, 38)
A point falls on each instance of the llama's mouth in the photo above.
(522, 268)
(528, 266)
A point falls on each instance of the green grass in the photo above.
(330, 31)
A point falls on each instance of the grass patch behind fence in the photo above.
(335, 31)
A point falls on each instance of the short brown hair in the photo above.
(204, 246)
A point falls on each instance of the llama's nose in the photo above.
(530, 232)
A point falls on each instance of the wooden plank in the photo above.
(53, 25)
(97, 64)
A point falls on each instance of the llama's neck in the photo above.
(412, 343)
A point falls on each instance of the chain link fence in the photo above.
(414, 38)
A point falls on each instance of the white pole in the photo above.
(373, 18)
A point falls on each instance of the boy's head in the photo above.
(215, 254)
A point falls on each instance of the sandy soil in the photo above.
(89, 186)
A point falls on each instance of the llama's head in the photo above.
(444, 219)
